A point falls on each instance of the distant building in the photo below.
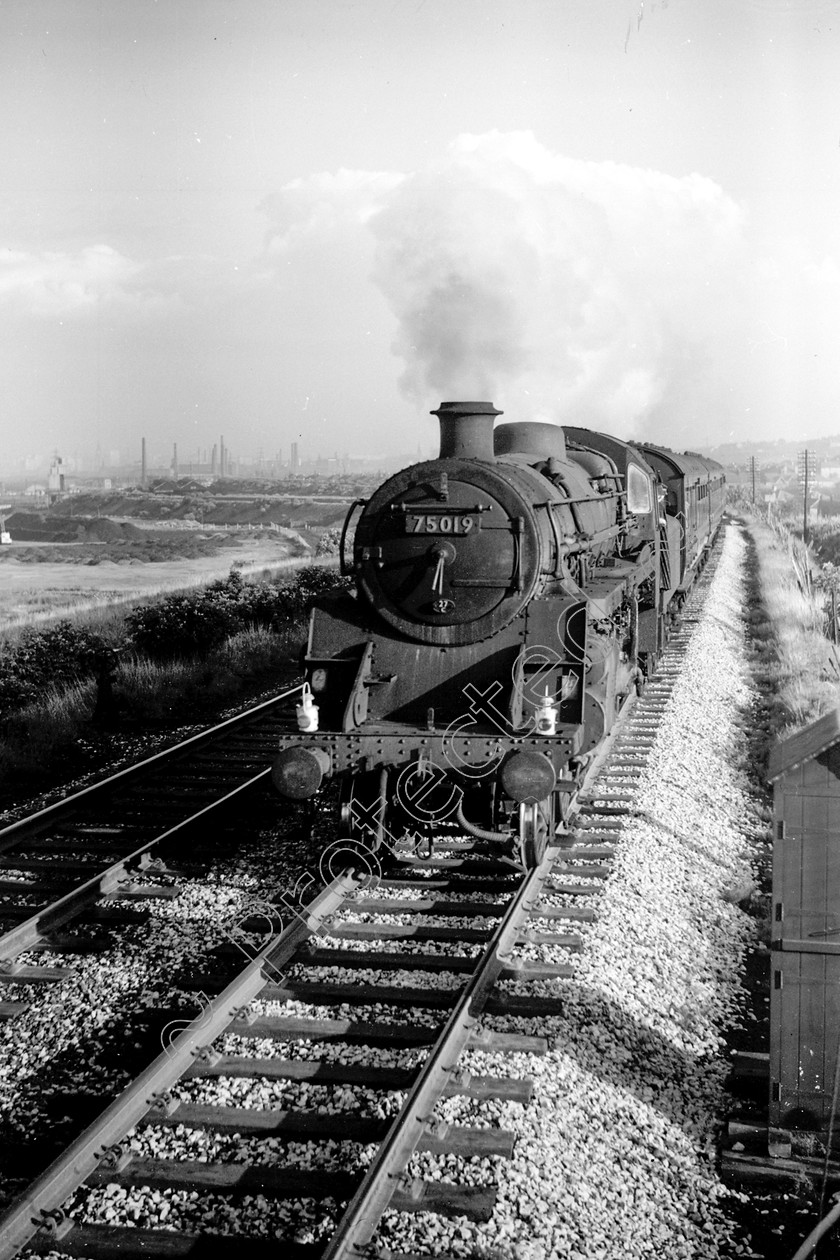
(55, 480)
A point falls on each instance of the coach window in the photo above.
(639, 497)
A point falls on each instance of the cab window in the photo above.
(639, 497)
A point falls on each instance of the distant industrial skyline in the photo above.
(201, 459)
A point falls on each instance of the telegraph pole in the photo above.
(806, 464)
(752, 476)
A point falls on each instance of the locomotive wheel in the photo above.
(536, 829)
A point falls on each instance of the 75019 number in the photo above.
(443, 524)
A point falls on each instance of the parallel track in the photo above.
(105, 840)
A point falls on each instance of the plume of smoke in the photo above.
(591, 293)
(588, 293)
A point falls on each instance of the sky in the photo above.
(312, 221)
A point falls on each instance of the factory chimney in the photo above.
(142, 461)
(175, 461)
(221, 456)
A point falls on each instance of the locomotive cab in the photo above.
(604, 456)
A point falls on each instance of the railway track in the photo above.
(110, 841)
(469, 938)
(476, 957)
(402, 968)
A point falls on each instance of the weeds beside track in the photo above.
(74, 692)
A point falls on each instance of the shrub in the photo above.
(267, 604)
(175, 627)
(183, 625)
(314, 581)
(64, 654)
(329, 543)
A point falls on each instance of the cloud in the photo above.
(325, 204)
(99, 278)
(52, 283)
(590, 293)
(580, 291)
(825, 273)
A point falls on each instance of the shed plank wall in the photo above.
(804, 1026)
(805, 1008)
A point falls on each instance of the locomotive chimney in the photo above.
(466, 430)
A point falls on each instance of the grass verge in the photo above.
(68, 731)
(794, 660)
(794, 671)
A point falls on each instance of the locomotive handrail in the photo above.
(518, 526)
(559, 553)
(343, 568)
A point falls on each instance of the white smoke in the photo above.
(582, 292)
(587, 293)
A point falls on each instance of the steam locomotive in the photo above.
(510, 595)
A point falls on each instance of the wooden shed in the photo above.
(805, 938)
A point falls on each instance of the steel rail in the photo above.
(32, 930)
(361, 1217)
(43, 818)
(39, 1205)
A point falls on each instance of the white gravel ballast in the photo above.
(614, 1154)
(614, 1157)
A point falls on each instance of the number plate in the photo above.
(442, 523)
